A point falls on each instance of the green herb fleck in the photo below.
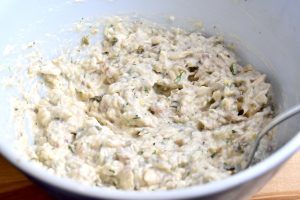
(240, 149)
(98, 128)
(213, 154)
(113, 41)
(140, 152)
(179, 77)
(218, 42)
(229, 141)
(231, 46)
(233, 69)
(71, 148)
(115, 183)
(140, 50)
(96, 98)
(136, 117)
(272, 107)
(85, 41)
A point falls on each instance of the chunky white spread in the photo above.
(147, 108)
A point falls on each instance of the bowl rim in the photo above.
(273, 161)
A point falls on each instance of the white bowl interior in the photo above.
(265, 34)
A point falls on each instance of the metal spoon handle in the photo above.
(277, 120)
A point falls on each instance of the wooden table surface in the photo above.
(284, 186)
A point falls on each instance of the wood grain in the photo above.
(284, 186)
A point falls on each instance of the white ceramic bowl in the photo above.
(266, 34)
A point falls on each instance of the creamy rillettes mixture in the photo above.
(147, 108)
